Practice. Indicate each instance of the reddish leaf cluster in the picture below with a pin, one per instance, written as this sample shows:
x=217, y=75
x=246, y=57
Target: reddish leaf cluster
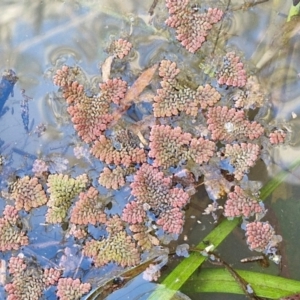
x=123, y=150
x=170, y=146
x=174, y=97
x=120, y=48
x=90, y=115
x=11, y=236
x=28, y=282
x=242, y=157
x=153, y=191
x=28, y=193
x=71, y=289
x=277, y=137
x=251, y=96
x=239, y=203
x=228, y=124
x=115, y=178
x=88, y=209
x=191, y=26
x=261, y=236
x=232, y=71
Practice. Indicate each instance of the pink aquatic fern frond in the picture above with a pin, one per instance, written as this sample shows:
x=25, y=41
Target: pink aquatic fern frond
x=171, y=220
x=113, y=90
x=242, y=157
x=133, y=213
x=90, y=115
x=51, y=276
x=168, y=145
x=228, y=125
x=11, y=236
x=88, y=209
x=16, y=265
x=168, y=70
x=120, y=48
x=171, y=146
x=232, y=72
x=28, y=282
x=28, y=193
x=103, y=149
x=128, y=151
x=150, y=185
x=90, y=118
x=277, y=137
x=154, y=191
x=73, y=92
x=191, y=26
x=62, y=76
x=71, y=289
x=251, y=96
x=114, y=225
x=239, y=203
x=174, y=97
x=113, y=179
x=207, y=96
x=261, y=236
x=201, y=150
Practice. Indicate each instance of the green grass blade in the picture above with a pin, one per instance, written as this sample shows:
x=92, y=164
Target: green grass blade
x=221, y=281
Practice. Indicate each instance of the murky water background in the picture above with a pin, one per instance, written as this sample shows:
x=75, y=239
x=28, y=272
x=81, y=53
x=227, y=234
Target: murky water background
x=36, y=38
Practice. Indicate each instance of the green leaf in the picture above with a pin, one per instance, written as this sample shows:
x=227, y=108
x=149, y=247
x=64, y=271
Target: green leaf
x=175, y=280
x=294, y=11
x=221, y=281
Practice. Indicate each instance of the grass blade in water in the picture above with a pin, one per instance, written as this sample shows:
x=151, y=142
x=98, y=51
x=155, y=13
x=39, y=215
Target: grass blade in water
x=220, y=281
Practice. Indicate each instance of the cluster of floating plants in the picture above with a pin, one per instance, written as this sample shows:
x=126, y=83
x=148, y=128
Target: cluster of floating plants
x=160, y=161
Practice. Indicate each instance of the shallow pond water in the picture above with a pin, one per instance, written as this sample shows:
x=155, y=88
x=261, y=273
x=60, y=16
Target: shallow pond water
x=37, y=39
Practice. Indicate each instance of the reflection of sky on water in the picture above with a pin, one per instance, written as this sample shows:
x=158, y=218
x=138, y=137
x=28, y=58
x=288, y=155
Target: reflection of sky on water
x=36, y=38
